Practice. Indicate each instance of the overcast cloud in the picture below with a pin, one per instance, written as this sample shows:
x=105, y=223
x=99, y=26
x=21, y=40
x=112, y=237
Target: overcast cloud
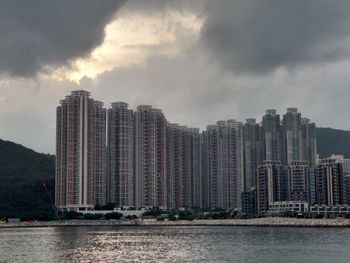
x=262, y=35
x=39, y=35
x=247, y=56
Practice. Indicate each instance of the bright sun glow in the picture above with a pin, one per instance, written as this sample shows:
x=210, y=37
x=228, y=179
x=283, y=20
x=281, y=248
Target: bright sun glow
x=131, y=40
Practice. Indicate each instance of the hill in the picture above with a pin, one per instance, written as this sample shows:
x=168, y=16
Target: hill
x=331, y=141
x=22, y=175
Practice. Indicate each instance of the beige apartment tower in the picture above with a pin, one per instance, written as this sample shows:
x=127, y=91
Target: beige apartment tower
x=150, y=158
x=80, y=181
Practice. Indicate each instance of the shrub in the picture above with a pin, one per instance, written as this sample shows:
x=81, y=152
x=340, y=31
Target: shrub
x=113, y=215
x=93, y=216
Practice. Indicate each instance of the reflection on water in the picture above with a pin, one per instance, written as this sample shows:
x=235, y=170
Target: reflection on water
x=174, y=244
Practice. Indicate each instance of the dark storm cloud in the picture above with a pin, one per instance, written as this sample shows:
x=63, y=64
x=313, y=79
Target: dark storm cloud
x=151, y=6
x=37, y=34
x=262, y=35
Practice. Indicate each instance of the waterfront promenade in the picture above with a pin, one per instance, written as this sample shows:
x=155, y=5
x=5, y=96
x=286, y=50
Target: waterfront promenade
x=261, y=222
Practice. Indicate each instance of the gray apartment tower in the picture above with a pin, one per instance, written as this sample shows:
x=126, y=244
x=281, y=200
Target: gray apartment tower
x=298, y=180
x=330, y=187
x=80, y=180
x=271, y=136
x=292, y=136
x=222, y=165
x=270, y=184
x=196, y=168
x=252, y=147
x=309, y=148
x=121, y=177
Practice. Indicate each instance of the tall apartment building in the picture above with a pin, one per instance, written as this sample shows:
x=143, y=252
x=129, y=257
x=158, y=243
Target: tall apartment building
x=150, y=157
x=298, y=180
x=179, y=166
x=99, y=153
x=292, y=136
x=270, y=184
x=252, y=152
x=271, y=136
x=80, y=180
x=222, y=165
x=172, y=144
x=196, y=168
x=209, y=146
x=183, y=166
x=121, y=179
x=330, y=187
x=309, y=151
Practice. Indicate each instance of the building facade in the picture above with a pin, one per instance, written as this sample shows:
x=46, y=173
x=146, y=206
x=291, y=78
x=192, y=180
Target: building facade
x=252, y=152
x=80, y=180
x=298, y=178
x=179, y=159
x=270, y=184
x=223, y=165
x=292, y=136
x=121, y=177
x=271, y=136
x=249, y=201
x=330, y=182
x=309, y=149
x=150, y=157
x=196, y=168
x=288, y=207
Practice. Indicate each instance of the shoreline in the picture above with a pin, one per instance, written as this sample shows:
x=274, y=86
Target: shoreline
x=256, y=222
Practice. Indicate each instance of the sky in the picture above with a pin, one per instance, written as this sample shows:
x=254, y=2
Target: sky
x=199, y=61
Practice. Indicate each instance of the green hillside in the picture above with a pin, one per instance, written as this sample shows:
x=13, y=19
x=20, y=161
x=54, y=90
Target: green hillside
x=22, y=175
x=331, y=141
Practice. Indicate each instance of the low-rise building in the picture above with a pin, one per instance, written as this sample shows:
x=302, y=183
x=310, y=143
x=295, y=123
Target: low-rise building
x=324, y=209
x=249, y=201
x=288, y=206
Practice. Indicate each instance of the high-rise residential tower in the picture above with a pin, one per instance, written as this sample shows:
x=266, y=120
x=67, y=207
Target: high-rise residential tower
x=271, y=136
x=309, y=152
x=179, y=158
x=80, y=180
x=172, y=144
x=222, y=165
x=196, y=168
x=150, y=157
x=99, y=153
x=292, y=136
x=252, y=152
x=121, y=181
